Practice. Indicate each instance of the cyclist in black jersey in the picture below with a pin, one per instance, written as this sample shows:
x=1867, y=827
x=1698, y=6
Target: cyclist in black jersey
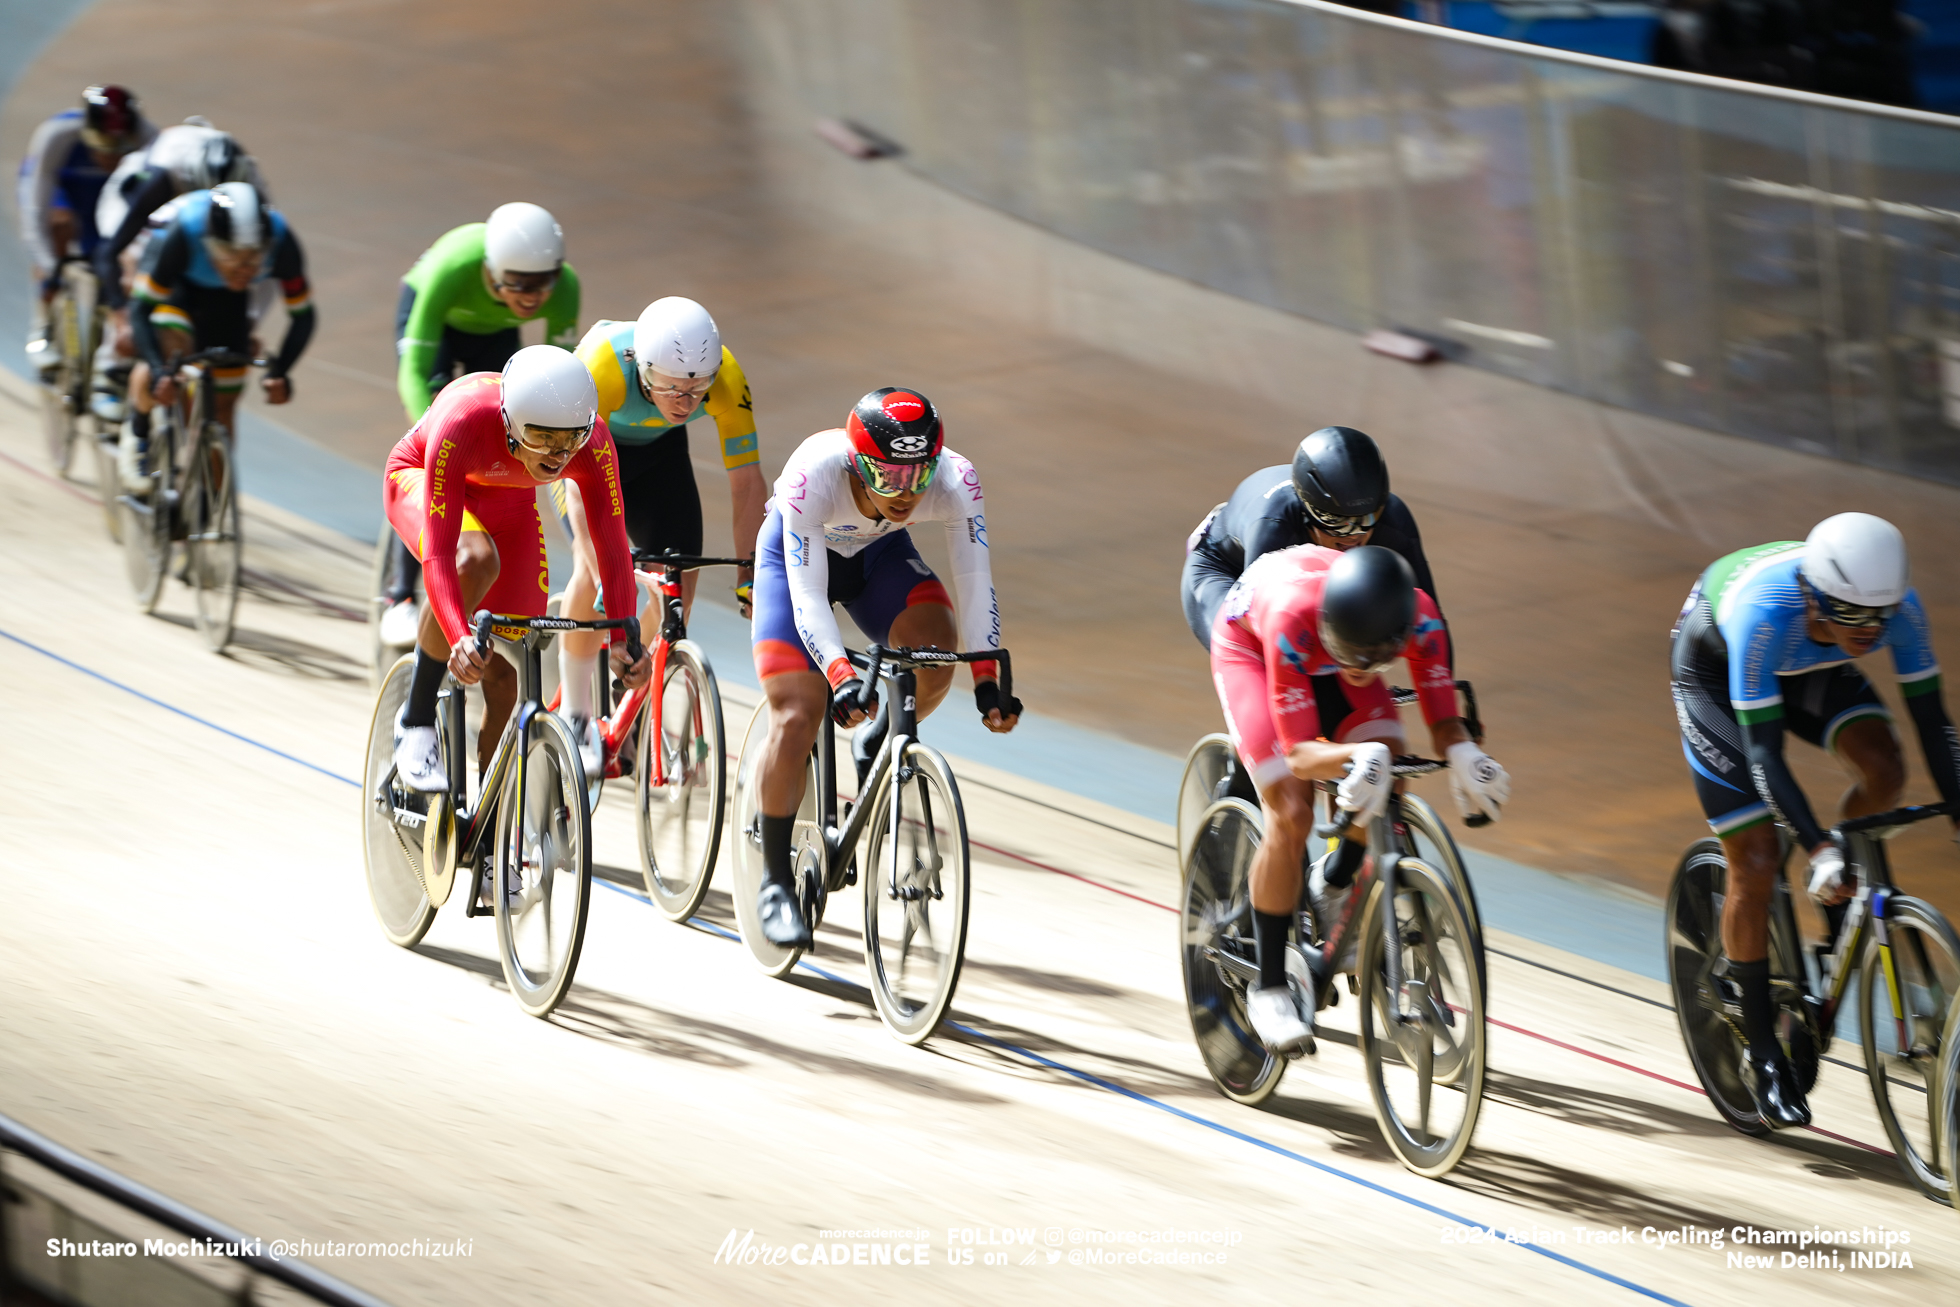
x=1334, y=494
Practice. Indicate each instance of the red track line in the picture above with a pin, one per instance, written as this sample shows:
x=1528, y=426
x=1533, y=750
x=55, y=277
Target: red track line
x=30, y=469
x=1019, y=857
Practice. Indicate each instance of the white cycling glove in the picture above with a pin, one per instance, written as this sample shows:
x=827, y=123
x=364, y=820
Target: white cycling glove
x=1827, y=875
x=1364, y=790
x=1478, y=782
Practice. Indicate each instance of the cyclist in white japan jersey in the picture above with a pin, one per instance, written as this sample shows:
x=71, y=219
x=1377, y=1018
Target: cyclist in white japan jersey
x=836, y=532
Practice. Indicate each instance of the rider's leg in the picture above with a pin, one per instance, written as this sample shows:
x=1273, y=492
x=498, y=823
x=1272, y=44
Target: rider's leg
x=797, y=703
x=578, y=652
x=1754, y=864
x=662, y=501
x=1275, y=873
x=917, y=627
x=1870, y=747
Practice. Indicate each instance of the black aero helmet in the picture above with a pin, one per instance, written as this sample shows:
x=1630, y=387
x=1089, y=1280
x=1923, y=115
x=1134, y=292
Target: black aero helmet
x=1367, y=607
x=1341, y=479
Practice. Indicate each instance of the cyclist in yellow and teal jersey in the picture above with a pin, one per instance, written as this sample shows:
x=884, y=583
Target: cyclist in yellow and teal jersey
x=655, y=375
x=460, y=310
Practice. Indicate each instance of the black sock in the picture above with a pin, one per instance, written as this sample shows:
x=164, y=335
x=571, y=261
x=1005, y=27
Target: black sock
x=1834, y=916
x=422, y=690
x=403, y=574
x=1269, y=934
x=776, y=833
x=139, y=423
x=1758, y=1018
x=1345, y=862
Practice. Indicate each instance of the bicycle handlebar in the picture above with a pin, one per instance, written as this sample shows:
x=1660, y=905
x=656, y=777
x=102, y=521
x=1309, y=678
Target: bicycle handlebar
x=669, y=561
x=485, y=619
x=1407, y=764
x=1889, y=820
x=1401, y=695
x=219, y=358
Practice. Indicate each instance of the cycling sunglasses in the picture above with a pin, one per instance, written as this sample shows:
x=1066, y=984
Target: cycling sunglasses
x=890, y=480
x=527, y=283
x=1838, y=612
x=661, y=386
x=1344, y=526
x=546, y=441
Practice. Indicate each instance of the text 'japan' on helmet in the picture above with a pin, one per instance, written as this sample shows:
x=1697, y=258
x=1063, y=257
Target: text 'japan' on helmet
x=1367, y=607
x=1339, y=474
x=548, y=387
x=522, y=238
x=1857, y=559
x=896, y=439
x=238, y=216
x=676, y=338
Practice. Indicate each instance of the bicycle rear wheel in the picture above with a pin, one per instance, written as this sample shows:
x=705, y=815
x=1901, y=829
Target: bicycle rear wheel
x=1210, y=758
x=214, y=542
x=1217, y=953
x=543, y=885
x=108, y=489
x=1904, y=1032
x=680, y=814
x=917, y=890
x=391, y=854
x=146, y=530
x=1425, y=1072
x=806, y=845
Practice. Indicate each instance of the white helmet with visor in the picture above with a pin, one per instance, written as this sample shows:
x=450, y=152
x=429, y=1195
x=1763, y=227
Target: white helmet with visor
x=550, y=404
x=1854, y=568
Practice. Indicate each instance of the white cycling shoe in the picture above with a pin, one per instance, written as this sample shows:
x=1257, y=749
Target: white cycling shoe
x=44, y=356
x=1277, y=1021
x=418, y=759
x=591, y=747
x=130, y=457
x=401, y=623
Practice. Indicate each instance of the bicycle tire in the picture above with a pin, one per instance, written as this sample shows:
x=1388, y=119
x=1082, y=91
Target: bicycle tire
x=1442, y=854
x=108, y=490
x=899, y=898
x=1197, y=787
x=146, y=542
x=1694, y=944
x=394, y=885
x=382, y=656
x=214, y=544
x=543, y=869
x=1216, y=915
x=1443, y=982
x=680, y=822
x=806, y=844
x=1949, y=1100
x=60, y=411
x=1926, y=961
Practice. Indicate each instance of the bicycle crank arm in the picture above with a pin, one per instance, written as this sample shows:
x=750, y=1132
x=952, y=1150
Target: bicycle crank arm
x=1232, y=964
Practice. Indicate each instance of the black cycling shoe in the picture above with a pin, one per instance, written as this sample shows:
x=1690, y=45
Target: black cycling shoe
x=782, y=918
x=1773, y=1087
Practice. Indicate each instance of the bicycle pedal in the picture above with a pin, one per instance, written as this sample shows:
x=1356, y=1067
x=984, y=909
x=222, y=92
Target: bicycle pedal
x=1354, y=984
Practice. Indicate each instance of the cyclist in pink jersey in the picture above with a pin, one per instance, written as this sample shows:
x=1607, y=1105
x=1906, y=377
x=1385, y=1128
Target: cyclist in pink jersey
x=461, y=492
x=1300, y=613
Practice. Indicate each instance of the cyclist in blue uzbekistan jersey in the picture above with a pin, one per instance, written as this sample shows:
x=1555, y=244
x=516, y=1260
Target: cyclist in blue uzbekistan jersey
x=1763, y=649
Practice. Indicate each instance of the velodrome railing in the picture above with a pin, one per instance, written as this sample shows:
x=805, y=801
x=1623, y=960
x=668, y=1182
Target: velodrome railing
x=1772, y=264
x=57, y=1250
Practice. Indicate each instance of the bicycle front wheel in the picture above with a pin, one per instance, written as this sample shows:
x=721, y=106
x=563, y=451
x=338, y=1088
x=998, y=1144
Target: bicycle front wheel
x=1423, y=1045
x=1904, y=1000
x=214, y=542
x=680, y=809
x=1948, y=1110
x=1218, y=955
x=392, y=855
x=1430, y=840
x=543, y=866
x=917, y=891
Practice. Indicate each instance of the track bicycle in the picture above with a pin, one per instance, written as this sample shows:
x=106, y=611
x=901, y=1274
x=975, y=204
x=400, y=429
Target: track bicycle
x=909, y=815
x=194, y=498
x=1901, y=952
x=1419, y=971
x=75, y=318
x=525, y=847
x=1212, y=771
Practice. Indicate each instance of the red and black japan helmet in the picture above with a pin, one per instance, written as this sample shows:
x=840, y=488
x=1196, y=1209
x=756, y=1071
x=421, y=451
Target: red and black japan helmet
x=896, y=439
x=111, y=118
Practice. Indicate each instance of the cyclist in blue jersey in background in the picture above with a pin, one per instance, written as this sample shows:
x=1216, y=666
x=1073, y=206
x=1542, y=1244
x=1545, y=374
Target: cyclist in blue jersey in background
x=194, y=292
x=1764, y=647
x=68, y=162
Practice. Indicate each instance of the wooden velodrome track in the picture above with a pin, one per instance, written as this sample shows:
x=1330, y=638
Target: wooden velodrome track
x=199, y=997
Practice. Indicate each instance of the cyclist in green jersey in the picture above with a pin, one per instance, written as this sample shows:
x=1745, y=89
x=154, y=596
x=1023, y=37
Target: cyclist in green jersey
x=460, y=309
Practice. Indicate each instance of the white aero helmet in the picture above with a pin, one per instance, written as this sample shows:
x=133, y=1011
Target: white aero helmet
x=675, y=337
x=522, y=238
x=545, y=386
x=1857, y=559
x=237, y=217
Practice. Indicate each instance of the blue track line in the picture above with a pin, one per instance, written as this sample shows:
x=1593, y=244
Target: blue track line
x=171, y=707
x=1037, y=1059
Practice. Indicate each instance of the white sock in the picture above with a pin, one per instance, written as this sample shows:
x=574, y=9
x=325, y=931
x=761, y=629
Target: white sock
x=575, y=678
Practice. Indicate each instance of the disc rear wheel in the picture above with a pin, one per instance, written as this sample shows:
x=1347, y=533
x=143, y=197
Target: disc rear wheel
x=1694, y=947
x=680, y=810
x=1216, y=950
x=1207, y=763
x=392, y=853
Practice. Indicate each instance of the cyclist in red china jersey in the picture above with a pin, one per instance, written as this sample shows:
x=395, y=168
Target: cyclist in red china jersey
x=461, y=493
x=1295, y=615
